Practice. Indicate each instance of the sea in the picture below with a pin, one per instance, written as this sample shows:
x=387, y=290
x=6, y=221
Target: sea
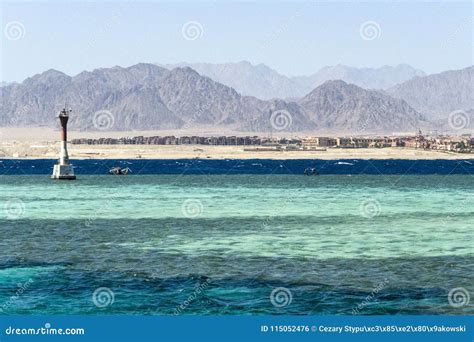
x=238, y=237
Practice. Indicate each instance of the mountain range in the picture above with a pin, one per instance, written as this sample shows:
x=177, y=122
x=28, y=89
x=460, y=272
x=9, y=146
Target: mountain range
x=150, y=97
x=266, y=83
x=440, y=94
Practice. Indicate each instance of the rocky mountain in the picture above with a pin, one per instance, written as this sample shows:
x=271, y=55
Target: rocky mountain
x=338, y=106
x=368, y=78
x=38, y=98
x=265, y=83
x=149, y=97
x=251, y=80
x=438, y=95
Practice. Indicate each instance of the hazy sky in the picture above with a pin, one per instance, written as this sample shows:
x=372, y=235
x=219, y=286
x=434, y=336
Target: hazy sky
x=293, y=38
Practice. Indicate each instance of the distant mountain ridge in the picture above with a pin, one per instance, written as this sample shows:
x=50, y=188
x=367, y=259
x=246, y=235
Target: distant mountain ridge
x=251, y=80
x=439, y=94
x=264, y=82
x=336, y=104
x=149, y=97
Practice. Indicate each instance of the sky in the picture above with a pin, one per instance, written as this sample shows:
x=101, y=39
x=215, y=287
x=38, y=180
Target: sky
x=294, y=38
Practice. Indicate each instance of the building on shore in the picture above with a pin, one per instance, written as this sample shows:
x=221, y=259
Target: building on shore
x=416, y=141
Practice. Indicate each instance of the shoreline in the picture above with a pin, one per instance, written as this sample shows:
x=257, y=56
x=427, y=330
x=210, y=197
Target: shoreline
x=50, y=150
x=36, y=143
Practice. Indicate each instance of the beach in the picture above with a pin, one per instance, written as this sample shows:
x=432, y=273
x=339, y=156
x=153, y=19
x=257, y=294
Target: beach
x=41, y=144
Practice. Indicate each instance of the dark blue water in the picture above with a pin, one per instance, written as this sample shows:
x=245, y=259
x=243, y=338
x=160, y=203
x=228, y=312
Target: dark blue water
x=248, y=166
x=67, y=289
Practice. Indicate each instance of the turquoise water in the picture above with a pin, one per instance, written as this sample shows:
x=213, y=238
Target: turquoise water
x=215, y=244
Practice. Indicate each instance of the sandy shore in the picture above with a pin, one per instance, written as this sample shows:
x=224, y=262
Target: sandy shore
x=37, y=143
x=50, y=150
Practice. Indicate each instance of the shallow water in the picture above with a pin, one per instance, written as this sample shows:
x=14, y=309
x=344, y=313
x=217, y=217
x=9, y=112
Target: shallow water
x=220, y=244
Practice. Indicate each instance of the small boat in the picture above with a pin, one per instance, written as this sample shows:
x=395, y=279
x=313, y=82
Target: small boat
x=310, y=171
x=117, y=170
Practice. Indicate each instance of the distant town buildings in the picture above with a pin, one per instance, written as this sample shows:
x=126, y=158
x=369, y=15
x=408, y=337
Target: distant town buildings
x=417, y=141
